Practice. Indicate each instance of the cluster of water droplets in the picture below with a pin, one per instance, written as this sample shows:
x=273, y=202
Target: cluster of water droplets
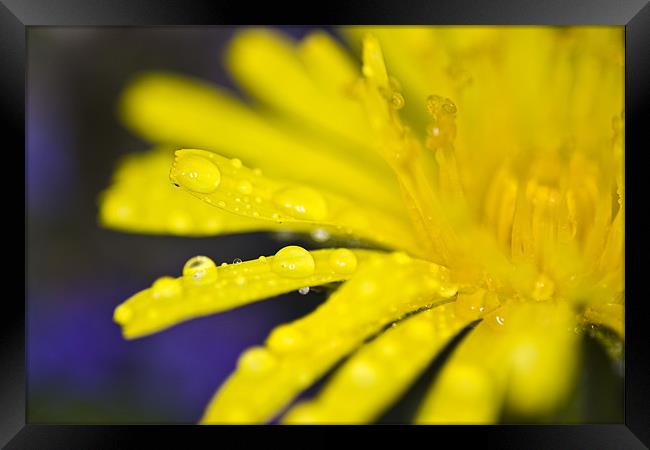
x=202, y=175
x=442, y=129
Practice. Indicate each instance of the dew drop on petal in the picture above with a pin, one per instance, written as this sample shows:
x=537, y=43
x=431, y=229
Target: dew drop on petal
x=236, y=163
x=396, y=100
x=303, y=290
x=343, y=260
x=293, y=262
x=200, y=269
x=301, y=203
x=196, y=173
x=166, y=287
x=236, y=261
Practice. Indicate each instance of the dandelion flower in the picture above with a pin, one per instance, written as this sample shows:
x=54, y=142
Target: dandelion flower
x=483, y=168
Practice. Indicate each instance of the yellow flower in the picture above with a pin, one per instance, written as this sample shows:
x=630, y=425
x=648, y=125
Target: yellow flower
x=493, y=169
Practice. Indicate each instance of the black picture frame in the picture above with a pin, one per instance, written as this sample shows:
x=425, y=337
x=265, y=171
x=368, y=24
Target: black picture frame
x=17, y=15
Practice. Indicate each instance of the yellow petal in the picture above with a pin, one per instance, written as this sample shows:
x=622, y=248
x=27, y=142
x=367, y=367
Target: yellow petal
x=178, y=110
x=522, y=355
x=206, y=289
x=400, y=148
x=141, y=199
x=327, y=63
x=269, y=66
x=297, y=354
x=381, y=370
x=229, y=185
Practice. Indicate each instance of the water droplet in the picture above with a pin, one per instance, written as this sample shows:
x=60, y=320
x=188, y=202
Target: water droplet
x=221, y=204
x=166, y=287
x=293, y=262
x=123, y=314
x=245, y=187
x=236, y=261
x=200, y=269
x=240, y=280
x=301, y=203
x=449, y=107
x=320, y=235
x=303, y=290
x=256, y=361
x=257, y=172
x=284, y=339
x=262, y=259
x=500, y=320
x=397, y=100
x=343, y=260
x=433, y=103
x=236, y=163
x=196, y=173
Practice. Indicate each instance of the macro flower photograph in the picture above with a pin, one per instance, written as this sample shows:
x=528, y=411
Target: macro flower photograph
x=326, y=225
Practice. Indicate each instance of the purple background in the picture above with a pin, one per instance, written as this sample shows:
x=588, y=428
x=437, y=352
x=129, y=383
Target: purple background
x=80, y=370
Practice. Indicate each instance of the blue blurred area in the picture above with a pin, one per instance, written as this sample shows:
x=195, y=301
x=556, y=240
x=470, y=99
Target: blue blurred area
x=80, y=369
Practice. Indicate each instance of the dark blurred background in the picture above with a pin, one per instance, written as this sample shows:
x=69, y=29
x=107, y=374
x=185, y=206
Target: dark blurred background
x=80, y=370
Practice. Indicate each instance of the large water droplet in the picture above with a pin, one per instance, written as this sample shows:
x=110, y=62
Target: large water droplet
x=301, y=203
x=256, y=361
x=343, y=260
x=166, y=287
x=303, y=290
x=200, y=269
x=293, y=262
x=196, y=173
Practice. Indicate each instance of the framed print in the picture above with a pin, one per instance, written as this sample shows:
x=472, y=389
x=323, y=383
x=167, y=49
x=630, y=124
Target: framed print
x=411, y=219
